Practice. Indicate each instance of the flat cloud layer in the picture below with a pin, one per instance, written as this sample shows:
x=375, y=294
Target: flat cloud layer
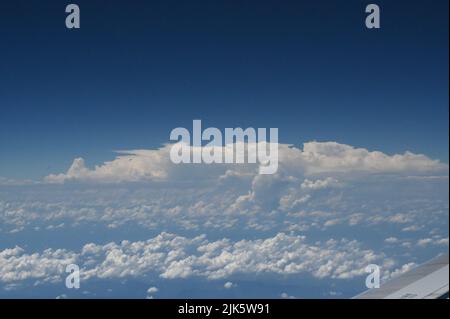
x=315, y=158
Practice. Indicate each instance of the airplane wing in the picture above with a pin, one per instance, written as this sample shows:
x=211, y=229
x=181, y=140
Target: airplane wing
x=427, y=281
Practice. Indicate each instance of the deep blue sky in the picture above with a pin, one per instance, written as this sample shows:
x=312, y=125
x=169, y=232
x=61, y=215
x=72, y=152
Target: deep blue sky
x=136, y=70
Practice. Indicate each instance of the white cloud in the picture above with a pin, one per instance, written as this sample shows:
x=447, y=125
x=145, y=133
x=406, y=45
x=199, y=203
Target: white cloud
x=285, y=295
x=335, y=157
x=323, y=185
x=425, y=242
x=315, y=158
x=16, y=182
x=16, y=265
x=442, y=241
x=391, y=240
x=432, y=241
x=229, y=285
x=171, y=256
x=403, y=269
x=129, y=166
x=411, y=228
x=152, y=290
x=319, y=184
x=332, y=222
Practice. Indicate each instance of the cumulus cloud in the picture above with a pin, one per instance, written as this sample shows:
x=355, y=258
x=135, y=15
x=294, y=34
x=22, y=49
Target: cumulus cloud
x=171, y=256
x=391, y=240
x=424, y=242
x=442, y=241
x=267, y=222
x=285, y=295
x=322, y=185
x=314, y=158
x=152, y=290
x=229, y=285
x=332, y=156
x=400, y=271
x=129, y=166
x=319, y=184
x=16, y=265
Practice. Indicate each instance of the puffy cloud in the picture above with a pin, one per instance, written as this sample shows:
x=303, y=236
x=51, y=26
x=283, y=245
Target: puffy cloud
x=425, y=242
x=411, y=228
x=314, y=158
x=391, y=240
x=152, y=290
x=390, y=274
x=317, y=187
x=285, y=295
x=229, y=285
x=241, y=206
x=442, y=241
x=129, y=166
x=319, y=184
x=16, y=265
x=432, y=241
x=332, y=222
x=171, y=256
x=335, y=157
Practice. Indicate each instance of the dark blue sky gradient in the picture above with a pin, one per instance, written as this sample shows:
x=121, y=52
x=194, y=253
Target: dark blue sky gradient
x=136, y=70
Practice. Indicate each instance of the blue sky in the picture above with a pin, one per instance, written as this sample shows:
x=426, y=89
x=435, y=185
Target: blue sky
x=366, y=180
x=134, y=72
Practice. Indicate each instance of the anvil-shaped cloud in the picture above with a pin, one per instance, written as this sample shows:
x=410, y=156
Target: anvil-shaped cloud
x=315, y=158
